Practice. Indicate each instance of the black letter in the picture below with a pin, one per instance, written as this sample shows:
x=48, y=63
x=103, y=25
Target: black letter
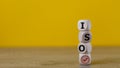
x=87, y=37
x=82, y=23
x=81, y=48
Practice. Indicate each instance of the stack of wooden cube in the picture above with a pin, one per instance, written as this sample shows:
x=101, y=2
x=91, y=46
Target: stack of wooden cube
x=84, y=47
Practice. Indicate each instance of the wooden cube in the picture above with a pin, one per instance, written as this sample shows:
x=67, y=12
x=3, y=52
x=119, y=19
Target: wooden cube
x=85, y=59
x=84, y=36
x=84, y=25
x=84, y=48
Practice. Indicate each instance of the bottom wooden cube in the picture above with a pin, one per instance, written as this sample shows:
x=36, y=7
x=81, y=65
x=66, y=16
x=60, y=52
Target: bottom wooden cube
x=85, y=59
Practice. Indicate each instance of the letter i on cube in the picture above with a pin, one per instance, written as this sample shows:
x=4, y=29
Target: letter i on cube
x=84, y=25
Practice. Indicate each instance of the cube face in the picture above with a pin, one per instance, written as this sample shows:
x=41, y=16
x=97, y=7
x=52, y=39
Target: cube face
x=85, y=59
x=84, y=36
x=89, y=48
x=84, y=48
x=84, y=25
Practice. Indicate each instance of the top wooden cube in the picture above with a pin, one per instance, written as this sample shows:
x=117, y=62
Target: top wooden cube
x=84, y=25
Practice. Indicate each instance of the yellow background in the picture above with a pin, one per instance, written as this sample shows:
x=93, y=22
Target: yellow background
x=54, y=22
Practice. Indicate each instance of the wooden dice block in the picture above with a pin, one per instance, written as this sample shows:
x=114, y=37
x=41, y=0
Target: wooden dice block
x=84, y=36
x=84, y=48
x=85, y=59
x=84, y=25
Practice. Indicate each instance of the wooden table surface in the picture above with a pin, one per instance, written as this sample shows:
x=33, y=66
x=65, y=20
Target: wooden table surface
x=57, y=57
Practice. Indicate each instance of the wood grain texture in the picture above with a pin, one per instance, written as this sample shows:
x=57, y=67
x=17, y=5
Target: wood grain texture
x=102, y=57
